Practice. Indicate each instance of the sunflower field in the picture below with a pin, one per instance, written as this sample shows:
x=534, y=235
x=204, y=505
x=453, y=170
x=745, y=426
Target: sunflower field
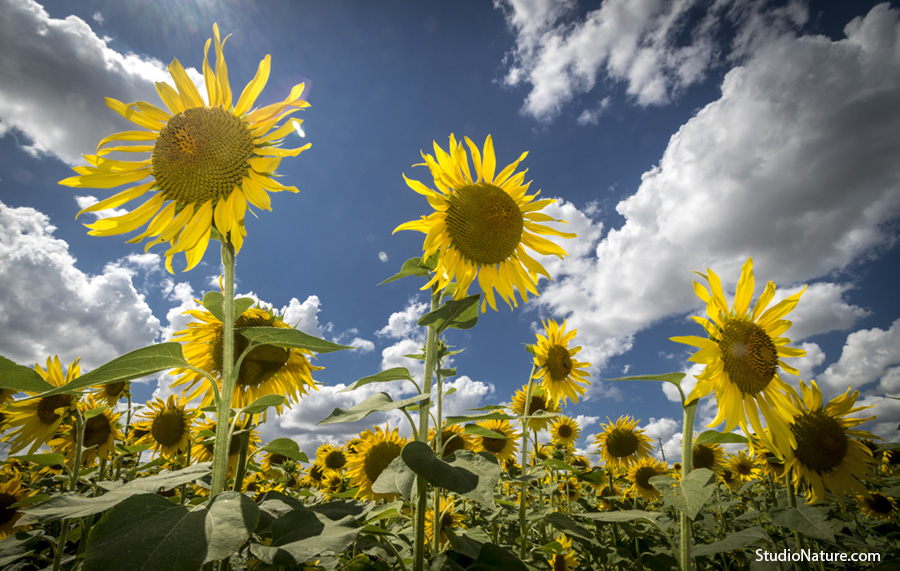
x=95, y=481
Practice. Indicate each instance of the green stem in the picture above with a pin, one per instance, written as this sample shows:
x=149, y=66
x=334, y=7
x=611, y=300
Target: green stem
x=424, y=406
x=687, y=464
x=792, y=502
x=187, y=462
x=223, y=410
x=523, y=523
x=242, y=458
x=436, y=495
x=73, y=485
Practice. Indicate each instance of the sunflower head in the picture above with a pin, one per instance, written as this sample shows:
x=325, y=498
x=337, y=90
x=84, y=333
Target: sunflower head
x=565, y=431
x=640, y=473
x=443, y=519
x=209, y=160
x=332, y=458
x=12, y=491
x=623, y=443
x=877, y=506
x=743, y=356
x=562, y=556
x=540, y=403
x=453, y=438
x=374, y=453
x=483, y=224
x=709, y=456
x=561, y=376
x=167, y=425
x=502, y=448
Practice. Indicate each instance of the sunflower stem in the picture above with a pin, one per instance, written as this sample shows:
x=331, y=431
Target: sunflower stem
x=424, y=406
x=223, y=405
x=687, y=464
x=523, y=522
x=73, y=485
x=242, y=459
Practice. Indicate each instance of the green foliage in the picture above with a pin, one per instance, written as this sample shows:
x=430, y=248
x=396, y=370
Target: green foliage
x=689, y=494
x=19, y=378
x=214, y=303
x=411, y=267
x=388, y=375
x=459, y=314
x=716, y=437
x=287, y=338
x=379, y=402
x=287, y=448
x=467, y=474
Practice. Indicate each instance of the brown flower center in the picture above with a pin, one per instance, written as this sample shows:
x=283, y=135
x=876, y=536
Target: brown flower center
x=621, y=443
x=704, y=457
x=821, y=440
x=378, y=457
x=168, y=427
x=261, y=363
x=484, y=222
x=96, y=430
x=749, y=355
x=559, y=363
x=493, y=445
x=47, y=406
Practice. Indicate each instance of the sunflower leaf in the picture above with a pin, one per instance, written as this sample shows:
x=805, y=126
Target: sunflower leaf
x=214, y=303
x=411, y=267
x=288, y=338
x=466, y=473
x=286, y=447
x=379, y=402
x=715, y=437
x=395, y=374
x=45, y=459
x=689, y=494
x=161, y=535
x=21, y=378
x=808, y=520
x=302, y=534
x=674, y=378
x=484, y=432
x=262, y=403
x=475, y=417
x=737, y=540
x=138, y=363
x=396, y=478
x=459, y=314
x=621, y=516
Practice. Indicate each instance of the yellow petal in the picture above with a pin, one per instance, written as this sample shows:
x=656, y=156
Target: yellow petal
x=170, y=97
x=254, y=88
x=118, y=199
x=186, y=87
x=490, y=161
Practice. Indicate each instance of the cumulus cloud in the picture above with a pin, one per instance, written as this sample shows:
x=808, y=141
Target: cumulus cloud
x=50, y=307
x=795, y=165
x=40, y=54
x=655, y=48
x=868, y=356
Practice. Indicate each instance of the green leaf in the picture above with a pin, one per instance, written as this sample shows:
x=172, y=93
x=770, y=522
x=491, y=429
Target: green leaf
x=46, y=459
x=379, y=402
x=302, y=534
x=262, y=403
x=808, y=520
x=138, y=363
x=20, y=378
x=459, y=314
x=286, y=447
x=288, y=338
x=570, y=527
x=674, y=378
x=395, y=374
x=214, y=301
x=560, y=465
x=483, y=432
x=737, y=540
x=689, y=494
x=621, y=516
x=466, y=474
x=495, y=558
x=451, y=420
x=411, y=267
x=72, y=505
x=396, y=478
x=715, y=437
x=148, y=532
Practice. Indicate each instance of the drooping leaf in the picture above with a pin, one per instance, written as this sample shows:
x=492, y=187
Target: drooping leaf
x=214, y=302
x=302, y=534
x=808, y=520
x=411, y=267
x=620, y=516
x=45, y=459
x=689, y=494
x=288, y=338
x=569, y=526
x=674, y=378
x=21, y=378
x=395, y=374
x=287, y=448
x=716, y=437
x=737, y=540
x=379, y=402
x=72, y=505
x=161, y=535
x=465, y=473
x=459, y=314
x=495, y=558
x=451, y=420
x=396, y=478
x=262, y=403
x=138, y=363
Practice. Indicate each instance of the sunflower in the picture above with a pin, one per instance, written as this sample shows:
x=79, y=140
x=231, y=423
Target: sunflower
x=542, y=452
x=332, y=458
x=110, y=393
x=539, y=403
x=730, y=478
x=204, y=444
x=167, y=425
x=564, y=431
x=560, y=375
x=828, y=453
x=208, y=160
x=271, y=463
x=623, y=443
x=452, y=439
x=315, y=476
x=709, y=456
x=446, y=520
x=265, y=370
x=877, y=506
x=570, y=488
x=11, y=492
x=742, y=465
x=581, y=462
x=373, y=454
x=34, y=421
x=482, y=227
x=502, y=448
x=605, y=495
x=101, y=431
x=640, y=473
x=743, y=354
x=562, y=558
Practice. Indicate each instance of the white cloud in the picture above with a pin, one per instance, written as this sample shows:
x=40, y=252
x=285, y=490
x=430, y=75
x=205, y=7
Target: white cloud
x=303, y=316
x=41, y=54
x=362, y=345
x=667, y=431
x=867, y=356
x=887, y=416
x=822, y=308
x=654, y=47
x=806, y=365
x=403, y=324
x=796, y=165
x=50, y=307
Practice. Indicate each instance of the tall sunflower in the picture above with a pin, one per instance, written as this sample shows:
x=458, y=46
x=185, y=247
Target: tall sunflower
x=539, y=403
x=560, y=374
x=208, y=160
x=373, y=454
x=446, y=519
x=828, y=452
x=502, y=448
x=12, y=491
x=562, y=558
x=564, y=431
x=743, y=354
x=640, y=473
x=166, y=426
x=101, y=431
x=110, y=393
x=34, y=421
x=623, y=443
x=709, y=456
x=204, y=446
x=482, y=225
x=332, y=458
x=452, y=439
x=264, y=371
x=742, y=465
x=877, y=506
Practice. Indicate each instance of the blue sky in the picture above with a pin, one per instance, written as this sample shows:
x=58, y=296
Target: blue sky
x=676, y=136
